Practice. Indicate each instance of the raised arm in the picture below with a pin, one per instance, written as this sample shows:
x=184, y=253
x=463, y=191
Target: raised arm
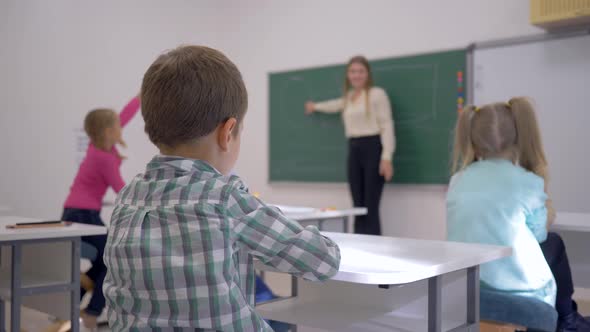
x=129, y=111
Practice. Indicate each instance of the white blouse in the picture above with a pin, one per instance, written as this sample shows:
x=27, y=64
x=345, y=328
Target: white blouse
x=358, y=122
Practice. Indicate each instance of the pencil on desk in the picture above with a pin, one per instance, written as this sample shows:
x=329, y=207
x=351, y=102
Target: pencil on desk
x=41, y=224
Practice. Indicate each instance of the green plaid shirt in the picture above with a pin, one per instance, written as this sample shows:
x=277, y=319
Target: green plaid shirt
x=181, y=245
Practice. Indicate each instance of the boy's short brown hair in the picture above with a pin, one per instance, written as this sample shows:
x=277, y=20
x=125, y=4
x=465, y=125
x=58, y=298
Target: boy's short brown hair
x=187, y=92
x=96, y=121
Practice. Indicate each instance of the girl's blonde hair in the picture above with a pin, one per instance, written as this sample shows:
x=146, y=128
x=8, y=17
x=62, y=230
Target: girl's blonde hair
x=500, y=130
x=531, y=155
x=365, y=63
x=96, y=121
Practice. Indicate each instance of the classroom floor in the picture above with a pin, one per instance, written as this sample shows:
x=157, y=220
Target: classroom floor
x=34, y=321
x=584, y=307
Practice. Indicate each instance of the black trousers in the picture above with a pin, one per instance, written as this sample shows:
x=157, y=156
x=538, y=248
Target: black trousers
x=556, y=256
x=366, y=185
x=98, y=270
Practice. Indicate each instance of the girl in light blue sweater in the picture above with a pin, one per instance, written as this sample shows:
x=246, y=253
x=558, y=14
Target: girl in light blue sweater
x=498, y=196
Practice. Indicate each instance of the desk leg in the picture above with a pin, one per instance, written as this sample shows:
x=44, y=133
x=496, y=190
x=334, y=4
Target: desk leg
x=347, y=222
x=75, y=293
x=15, y=288
x=473, y=297
x=434, y=304
x=294, y=286
x=294, y=293
x=321, y=224
x=2, y=316
x=472, y=324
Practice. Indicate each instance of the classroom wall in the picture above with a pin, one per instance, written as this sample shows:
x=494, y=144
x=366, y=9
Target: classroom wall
x=59, y=59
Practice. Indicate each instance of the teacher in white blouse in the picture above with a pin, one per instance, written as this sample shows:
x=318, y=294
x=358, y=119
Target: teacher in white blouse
x=368, y=125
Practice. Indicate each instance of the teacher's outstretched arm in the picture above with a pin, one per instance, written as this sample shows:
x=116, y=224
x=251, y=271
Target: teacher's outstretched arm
x=328, y=106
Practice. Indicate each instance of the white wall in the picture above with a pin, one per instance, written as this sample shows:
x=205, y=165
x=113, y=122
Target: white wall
x=58, y=59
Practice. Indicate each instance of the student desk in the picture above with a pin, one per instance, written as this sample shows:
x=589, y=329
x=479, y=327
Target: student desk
x=38, y=264
x=381, y=283
x=569, y=221
x=307, y=214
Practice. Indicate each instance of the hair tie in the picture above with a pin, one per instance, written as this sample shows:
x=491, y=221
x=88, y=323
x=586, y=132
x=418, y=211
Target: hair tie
x=476, y=109
x=509, y=105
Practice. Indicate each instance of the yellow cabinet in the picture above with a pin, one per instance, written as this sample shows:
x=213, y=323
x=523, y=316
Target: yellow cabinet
x=560, y=13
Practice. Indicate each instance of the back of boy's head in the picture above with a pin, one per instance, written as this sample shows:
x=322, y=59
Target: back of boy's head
x=499, y=130
x=96, y=121
x=189, y=91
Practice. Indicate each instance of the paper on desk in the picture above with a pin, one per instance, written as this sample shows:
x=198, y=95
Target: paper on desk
x=294, y=210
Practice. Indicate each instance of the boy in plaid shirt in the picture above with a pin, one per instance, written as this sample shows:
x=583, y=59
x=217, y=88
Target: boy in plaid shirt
x=184, y=234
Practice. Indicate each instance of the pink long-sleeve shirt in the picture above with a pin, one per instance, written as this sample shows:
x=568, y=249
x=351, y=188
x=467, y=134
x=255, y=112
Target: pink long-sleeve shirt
x=99, y=170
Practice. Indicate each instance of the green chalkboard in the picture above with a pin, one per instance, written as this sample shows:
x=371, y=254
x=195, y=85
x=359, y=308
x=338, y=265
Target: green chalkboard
x=423, y=90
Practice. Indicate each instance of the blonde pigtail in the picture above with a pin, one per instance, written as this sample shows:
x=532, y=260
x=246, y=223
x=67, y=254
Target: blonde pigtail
x=531, y=155
x=463, y=153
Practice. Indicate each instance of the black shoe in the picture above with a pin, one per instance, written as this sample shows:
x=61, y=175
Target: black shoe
x=573, y=322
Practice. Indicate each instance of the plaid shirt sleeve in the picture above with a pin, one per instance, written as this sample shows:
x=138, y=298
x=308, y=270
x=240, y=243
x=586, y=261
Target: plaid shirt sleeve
x=279, y=241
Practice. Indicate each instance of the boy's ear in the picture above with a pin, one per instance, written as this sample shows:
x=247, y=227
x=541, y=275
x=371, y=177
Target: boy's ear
x=225, y=133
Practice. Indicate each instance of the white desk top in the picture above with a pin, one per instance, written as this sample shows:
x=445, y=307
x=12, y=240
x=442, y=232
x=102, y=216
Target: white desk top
x=380, y=260
x=308, y=214
x=569, y=221
x=44, y=233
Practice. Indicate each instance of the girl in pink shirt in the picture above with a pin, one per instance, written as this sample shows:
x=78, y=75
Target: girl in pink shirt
x=98, y=171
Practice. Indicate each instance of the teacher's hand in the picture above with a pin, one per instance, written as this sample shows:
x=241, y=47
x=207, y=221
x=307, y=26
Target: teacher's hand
x=386, y=169
x=309, y=107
